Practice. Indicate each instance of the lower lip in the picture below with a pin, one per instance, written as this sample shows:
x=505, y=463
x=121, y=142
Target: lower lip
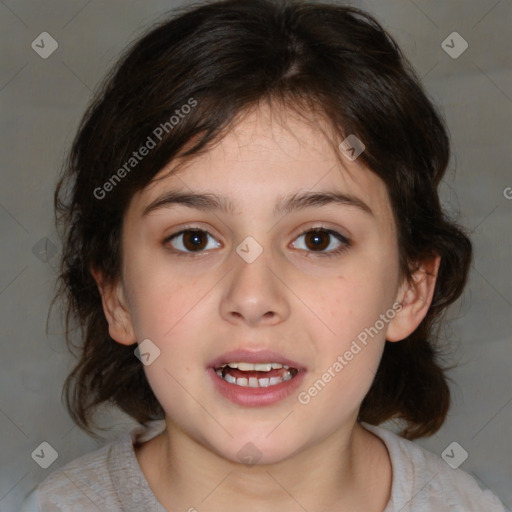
x=255, y=397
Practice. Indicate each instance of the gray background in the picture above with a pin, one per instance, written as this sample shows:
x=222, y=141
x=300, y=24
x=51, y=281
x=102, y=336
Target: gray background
x=42, y=101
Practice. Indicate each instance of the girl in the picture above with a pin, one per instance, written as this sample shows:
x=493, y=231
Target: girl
x=257, y=256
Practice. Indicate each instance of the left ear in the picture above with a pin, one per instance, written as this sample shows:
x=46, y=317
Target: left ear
x=415, y=298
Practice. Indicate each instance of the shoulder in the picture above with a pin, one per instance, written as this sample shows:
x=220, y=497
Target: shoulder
x=106, y=479
x=82, y=484
x=423, y=481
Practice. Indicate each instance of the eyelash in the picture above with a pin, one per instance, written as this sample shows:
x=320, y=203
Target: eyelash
x=345, y=242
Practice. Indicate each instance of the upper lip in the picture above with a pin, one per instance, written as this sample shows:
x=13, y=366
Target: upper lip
x=254, y=356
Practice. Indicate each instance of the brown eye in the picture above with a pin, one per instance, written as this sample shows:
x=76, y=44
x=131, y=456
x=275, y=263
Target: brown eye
x=191, y=240
x=318, y=240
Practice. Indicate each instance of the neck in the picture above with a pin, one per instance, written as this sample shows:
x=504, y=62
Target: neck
x=334, y=474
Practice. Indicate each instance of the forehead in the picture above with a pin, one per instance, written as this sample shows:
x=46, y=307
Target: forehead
x=266, y=156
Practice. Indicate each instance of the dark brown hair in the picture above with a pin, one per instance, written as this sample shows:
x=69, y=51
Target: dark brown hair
x=224, y=58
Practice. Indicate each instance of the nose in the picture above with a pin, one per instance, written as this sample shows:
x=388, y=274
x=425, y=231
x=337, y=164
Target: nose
x=255, y=293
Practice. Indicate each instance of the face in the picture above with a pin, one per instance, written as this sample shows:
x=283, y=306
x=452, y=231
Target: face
x=270, y=280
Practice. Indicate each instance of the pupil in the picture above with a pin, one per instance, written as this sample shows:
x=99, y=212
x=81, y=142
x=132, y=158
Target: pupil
x=196, y=236
x=316, y=235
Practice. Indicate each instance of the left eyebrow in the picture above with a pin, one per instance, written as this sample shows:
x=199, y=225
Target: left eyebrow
x=288, y=204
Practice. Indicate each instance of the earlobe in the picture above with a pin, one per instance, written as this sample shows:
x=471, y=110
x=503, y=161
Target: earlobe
x=415, y=299
x=115, y=309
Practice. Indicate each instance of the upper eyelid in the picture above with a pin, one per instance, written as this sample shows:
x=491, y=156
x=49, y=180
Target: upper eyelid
x=184, y=229
x=194, y=227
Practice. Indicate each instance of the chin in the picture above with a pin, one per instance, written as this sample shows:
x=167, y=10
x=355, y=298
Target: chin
x=258, y=450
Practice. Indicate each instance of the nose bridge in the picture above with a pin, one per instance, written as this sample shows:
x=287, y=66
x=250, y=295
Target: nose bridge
x=254, y=293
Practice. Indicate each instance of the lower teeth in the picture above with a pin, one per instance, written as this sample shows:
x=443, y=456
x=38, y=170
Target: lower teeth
x=253, y=382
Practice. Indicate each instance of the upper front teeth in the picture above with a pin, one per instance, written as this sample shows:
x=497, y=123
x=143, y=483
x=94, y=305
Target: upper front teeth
x=258, y=367
x=253, y=382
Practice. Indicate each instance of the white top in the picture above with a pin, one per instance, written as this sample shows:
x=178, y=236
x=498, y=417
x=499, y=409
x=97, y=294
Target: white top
x=111, y=479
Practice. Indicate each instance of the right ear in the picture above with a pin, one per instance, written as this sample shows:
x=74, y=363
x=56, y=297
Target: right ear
x=116, y=311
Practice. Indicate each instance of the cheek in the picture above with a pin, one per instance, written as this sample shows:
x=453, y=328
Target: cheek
x=352, y=302
x=351, y=334
x=161, y=300
x=169, y=313
x=349, y=350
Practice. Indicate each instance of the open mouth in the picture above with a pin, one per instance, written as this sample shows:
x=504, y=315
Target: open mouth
x=256, y=375
x=255, y=378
